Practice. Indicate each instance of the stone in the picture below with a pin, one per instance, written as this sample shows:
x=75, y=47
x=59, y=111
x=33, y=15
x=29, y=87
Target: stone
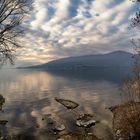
x=67, y=103
x=86, y=120
x=3, y=122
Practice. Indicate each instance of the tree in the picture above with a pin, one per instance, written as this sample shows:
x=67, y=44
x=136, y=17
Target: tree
x=136, y=43
x=12, y=13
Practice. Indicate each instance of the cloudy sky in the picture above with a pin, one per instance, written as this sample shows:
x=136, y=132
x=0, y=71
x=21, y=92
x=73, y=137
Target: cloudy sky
x=63, y=28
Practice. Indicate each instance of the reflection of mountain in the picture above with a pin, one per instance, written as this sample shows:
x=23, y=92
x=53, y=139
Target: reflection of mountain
x=30, y=97
x=108, y=74
x=115, y=66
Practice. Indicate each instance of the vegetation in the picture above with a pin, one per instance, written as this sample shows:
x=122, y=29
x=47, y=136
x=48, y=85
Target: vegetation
x=12, y=13
x=126, y=117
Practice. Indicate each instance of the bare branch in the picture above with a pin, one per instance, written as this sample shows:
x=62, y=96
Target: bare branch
x=12, y=13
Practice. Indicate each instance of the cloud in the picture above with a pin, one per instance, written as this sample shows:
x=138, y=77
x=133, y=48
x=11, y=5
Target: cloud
x=62, y=28
x=40, y=13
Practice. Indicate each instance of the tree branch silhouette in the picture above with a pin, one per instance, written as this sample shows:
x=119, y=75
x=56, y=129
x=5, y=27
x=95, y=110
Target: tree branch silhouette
x=12, y=13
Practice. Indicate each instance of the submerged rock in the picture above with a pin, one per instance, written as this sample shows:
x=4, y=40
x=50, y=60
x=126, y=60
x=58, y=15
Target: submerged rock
x=3, y=122
x=118, y=132
x=58, y=128
x=2, y=101
x=67, y=103
x=48, y=120
x=112, y=108
x=86, y=120
x=82, y=123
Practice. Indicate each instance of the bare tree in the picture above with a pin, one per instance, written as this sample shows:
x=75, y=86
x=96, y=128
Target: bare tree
x=135, y=22
x=12, y=13
x=131, y=87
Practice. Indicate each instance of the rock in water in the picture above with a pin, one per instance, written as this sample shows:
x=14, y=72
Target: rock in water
x=86, y=121
x=3, y=122
x=88, y=124
x=58, y=128
x=112, y=108
x=2, y=101
x=67, y=103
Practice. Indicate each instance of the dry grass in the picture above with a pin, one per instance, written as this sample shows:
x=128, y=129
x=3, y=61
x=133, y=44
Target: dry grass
x=126, y=121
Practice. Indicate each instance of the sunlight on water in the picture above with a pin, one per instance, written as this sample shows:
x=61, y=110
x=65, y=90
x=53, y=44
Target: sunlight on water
x=30, y=96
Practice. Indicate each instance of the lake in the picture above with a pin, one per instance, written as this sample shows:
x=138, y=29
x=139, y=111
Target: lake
x=30, y=98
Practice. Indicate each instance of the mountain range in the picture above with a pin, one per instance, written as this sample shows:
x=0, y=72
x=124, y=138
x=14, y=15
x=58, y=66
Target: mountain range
x=115, y=67
x=113, y=59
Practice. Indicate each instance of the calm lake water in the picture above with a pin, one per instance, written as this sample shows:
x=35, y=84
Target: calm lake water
x=30, y=94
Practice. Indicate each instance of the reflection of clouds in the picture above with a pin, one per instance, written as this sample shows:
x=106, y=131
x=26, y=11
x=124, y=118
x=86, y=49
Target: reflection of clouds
x=38, y=116
x=30, y=95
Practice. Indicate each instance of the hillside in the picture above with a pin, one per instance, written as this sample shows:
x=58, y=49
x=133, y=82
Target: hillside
x=114, y=59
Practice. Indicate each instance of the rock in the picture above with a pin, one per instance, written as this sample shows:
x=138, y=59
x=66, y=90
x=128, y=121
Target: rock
x=86, y=120
x=90, y=134
x=2, y=101
x=3, y=122
x=112, y=108
x=67, y=103
x=59, y=128
x=87, y=124
x=49, y=121
x=118, y=133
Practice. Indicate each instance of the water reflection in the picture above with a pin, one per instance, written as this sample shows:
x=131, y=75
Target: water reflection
x=30, y=97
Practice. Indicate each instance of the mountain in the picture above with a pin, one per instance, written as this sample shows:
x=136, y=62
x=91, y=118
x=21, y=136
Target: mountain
x=113, y=59
x=115, y=67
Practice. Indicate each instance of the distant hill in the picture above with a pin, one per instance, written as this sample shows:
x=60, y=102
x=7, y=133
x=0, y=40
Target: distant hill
x=113, y=59
x=115, y=67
